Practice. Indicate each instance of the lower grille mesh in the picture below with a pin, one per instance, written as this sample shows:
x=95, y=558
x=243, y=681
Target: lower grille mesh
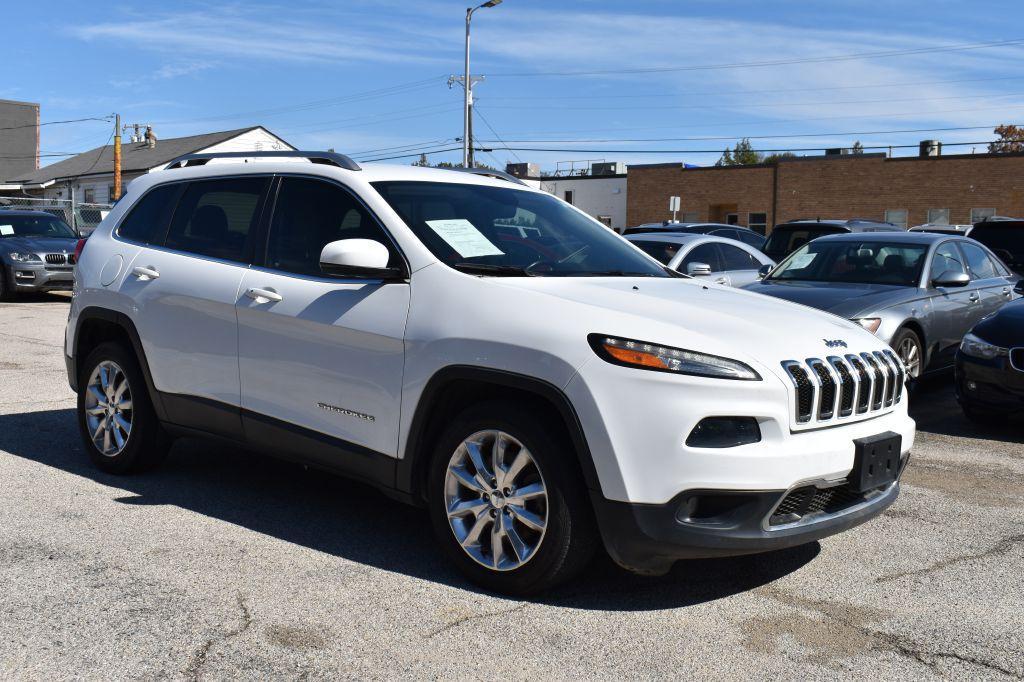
x=811, y=500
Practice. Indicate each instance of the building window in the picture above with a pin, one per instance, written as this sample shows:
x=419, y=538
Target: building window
x=938, y=216
x=606, y=219
x=89, y=195
x=690, y=217
x=758, y=222
x=896, y=216
x=732, y=218
x=979, y=214
x=568, y=196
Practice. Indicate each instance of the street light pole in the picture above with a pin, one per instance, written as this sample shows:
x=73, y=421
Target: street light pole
x=467, y=84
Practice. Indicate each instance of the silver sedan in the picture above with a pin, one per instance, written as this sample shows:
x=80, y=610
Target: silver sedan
x=723, y=260
x=919, y=292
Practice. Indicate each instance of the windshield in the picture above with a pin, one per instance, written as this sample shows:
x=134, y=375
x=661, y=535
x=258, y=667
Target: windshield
x=42, y=225
x=505, y=231
x=1007, y=242
x=861, y=262
x=785, y=239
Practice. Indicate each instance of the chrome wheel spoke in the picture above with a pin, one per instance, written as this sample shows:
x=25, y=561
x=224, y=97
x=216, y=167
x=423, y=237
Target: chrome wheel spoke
x=527, y=517
x=477, y=457
x=125, y=405
x=470, y=506
x=527, y=492
x=467, y=479
x=101, y=427
x=517, y=466
x=98, y=410
x=519, y=547
x=98, y=395
x=477, y=529
x=498, y=447
x=498, y=541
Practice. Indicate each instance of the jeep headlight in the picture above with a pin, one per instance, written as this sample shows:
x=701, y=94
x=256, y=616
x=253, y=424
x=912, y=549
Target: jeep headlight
x=19, y=257
x=643, y=355
x=979, y=348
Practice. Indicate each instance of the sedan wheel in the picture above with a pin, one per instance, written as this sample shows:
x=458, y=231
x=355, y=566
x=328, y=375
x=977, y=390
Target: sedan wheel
x=496, y=500
x=908, y=348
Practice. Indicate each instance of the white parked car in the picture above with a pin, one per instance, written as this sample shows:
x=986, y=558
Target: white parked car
x=723, y=260
x=537, y=393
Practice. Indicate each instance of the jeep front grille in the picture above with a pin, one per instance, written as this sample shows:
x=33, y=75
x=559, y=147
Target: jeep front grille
x=838, y=388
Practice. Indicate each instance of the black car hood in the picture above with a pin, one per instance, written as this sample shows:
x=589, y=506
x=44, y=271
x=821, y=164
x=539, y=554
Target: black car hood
x=38, y=244
x=840, y=298
x=1005, y=328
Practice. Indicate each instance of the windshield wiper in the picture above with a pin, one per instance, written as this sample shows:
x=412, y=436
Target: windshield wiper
x=490, y=269
x=614, y=273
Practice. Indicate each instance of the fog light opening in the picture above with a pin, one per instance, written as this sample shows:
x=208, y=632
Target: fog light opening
x=724, y=432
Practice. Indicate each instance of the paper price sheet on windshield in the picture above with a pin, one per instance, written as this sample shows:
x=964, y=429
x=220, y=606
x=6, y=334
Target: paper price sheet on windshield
x=462, y=236
x=6, y=230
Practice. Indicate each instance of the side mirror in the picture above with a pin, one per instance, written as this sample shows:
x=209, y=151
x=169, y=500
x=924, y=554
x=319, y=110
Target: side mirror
x=698, y=270
x=950, y=278
x=763, y=271
x=358, y=258
x=1019, y=288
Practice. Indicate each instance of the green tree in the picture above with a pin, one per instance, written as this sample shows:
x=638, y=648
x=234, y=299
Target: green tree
x=857, y=148
x=1011, y=139
x=422, y=161
x=743, y=155
x=772, y=158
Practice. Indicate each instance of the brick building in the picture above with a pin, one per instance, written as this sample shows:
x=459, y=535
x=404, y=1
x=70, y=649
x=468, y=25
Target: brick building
x=905, y=190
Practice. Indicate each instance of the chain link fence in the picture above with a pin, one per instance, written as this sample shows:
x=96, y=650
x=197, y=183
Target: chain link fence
x=82, y=217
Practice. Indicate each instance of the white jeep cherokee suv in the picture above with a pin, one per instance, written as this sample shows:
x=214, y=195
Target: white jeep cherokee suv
x=536, y=390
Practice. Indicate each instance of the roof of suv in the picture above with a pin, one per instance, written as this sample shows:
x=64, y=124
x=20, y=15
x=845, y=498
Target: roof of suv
x=894, y=236
x=852, y=225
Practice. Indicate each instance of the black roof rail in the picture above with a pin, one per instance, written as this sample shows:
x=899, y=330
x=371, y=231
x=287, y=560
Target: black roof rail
x=327, y=158
x=497, y=174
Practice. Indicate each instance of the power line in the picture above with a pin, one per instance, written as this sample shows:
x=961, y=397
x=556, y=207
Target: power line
x=491, y=128
x=406, y=156
x=775, y=62
x=446, y=105
x=719, y=151
x=53, y=123
x=405, y=147
x=752, y=137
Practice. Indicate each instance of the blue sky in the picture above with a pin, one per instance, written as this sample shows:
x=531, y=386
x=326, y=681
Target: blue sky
x=363, y=75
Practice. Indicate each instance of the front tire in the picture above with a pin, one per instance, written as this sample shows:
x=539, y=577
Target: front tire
x=118, y=425
x=907, y=345
x=5, y=288
x=507, y=502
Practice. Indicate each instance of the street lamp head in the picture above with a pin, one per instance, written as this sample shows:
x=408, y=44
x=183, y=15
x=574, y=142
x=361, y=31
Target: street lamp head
x=491, y=3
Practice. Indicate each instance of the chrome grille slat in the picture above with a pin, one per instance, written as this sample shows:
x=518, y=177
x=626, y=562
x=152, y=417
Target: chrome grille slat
x=840, y=388
x=56, y=258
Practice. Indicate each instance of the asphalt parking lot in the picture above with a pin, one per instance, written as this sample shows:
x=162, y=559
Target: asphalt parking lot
x=223, y=564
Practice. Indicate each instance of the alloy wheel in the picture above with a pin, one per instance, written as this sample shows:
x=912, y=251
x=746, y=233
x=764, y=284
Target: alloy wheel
x=496, y=500
x=108, y=408
x=910, y=354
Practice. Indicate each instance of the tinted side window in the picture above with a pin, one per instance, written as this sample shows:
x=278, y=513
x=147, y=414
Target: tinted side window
x=215, y=217
x=978, y=261
x=735, y=258
x=663, y=251
x=147, y=220
x=947, y=258
x=704, y=253
x=750, y=238
x=309, y=214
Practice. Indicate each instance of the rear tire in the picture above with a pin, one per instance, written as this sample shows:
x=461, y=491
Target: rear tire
x=118, y=425
x=509, y=504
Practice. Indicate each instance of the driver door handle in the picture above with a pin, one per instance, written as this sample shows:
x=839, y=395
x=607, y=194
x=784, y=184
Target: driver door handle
x=146, y=272
x=974, y=297
x=722, y=280
x=264, y=295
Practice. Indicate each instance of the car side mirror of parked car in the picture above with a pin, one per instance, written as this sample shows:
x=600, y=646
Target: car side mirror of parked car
x=763, y=271
x=950, y=278
x=698, y=270
x=358, y=259
x=1019, y=287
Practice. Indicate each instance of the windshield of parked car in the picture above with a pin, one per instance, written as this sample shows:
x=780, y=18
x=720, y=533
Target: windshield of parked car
x=1006, y=241
x=861, y=262
x=505, y=231
x=785, y=239
x=42, y=225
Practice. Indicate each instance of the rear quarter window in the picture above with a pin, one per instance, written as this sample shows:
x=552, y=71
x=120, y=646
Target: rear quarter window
x=146, y=221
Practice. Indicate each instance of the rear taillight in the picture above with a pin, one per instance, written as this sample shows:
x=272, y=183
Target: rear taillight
x=79, y=247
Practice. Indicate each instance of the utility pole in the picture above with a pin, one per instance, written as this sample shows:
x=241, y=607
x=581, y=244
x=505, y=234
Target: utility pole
x=117, y=157
x=467, y=100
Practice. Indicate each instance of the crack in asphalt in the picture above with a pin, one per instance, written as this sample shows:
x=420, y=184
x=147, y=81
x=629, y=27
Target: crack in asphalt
x=856, y=619
x=202, y=654
x=1001, y=547
x=474, y=616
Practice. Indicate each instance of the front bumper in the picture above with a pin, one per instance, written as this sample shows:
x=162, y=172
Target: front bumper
x=39, y=277
x=992, y=385
x=648, y=539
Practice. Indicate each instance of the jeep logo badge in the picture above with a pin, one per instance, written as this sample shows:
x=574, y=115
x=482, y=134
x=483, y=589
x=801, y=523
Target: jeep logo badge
x=834, y=343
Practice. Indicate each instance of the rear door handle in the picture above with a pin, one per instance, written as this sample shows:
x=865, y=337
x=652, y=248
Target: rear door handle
x=264, y=295
x=146, y=272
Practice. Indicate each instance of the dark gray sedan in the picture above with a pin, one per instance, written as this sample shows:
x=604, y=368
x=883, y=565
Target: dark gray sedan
x=920, y=292
x=36, y=252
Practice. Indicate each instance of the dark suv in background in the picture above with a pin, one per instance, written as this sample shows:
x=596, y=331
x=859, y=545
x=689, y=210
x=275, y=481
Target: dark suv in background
x=788, y=237
x=1005, y=238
